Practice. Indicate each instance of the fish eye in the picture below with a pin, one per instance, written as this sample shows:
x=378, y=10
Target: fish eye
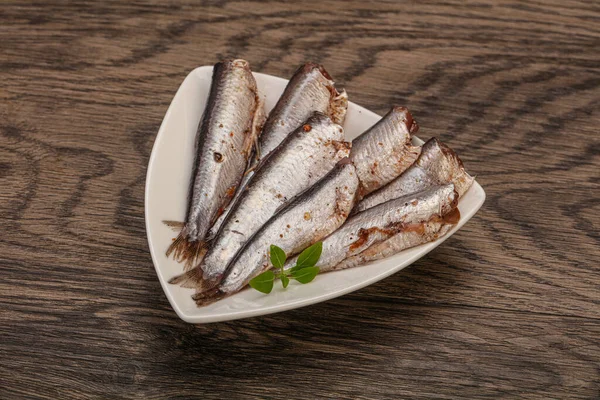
x=218, y=157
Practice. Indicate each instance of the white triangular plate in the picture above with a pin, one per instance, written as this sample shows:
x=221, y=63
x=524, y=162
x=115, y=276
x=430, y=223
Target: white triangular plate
x=167, y=183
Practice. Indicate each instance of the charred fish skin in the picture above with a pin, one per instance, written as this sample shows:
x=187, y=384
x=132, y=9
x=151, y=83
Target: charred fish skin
x=375, y=225
x=224, y=140
x=384, y=151
x=310, y=89
x=310, y=217
x=437, y=165
x=303, y=158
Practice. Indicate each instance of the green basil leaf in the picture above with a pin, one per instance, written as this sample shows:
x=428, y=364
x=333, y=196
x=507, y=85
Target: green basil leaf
x=285, y=281
x=310, y=256
x=277, y=256
x=305, y=274
x=263, y=282
x=295, y=268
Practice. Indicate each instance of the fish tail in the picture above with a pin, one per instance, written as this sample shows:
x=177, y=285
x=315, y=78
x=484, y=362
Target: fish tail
x=194, y=279
x=194, y=254
x=175, y=247
x=190, y=279
x=183, y=250
x=208, y=297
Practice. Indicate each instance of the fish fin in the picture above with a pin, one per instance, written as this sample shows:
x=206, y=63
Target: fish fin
x=194, y=279
x=175, y=225
x=208, y=297
x=195, y=254
x=178, y=243
x=338, y=105
x=189, y=279
x=183, y=250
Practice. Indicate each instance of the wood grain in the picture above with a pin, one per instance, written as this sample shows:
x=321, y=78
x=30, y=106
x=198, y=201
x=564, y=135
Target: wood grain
x=509, y=307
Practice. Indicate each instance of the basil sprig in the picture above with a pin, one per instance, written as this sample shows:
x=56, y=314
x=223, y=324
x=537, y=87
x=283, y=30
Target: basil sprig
x=304, y=271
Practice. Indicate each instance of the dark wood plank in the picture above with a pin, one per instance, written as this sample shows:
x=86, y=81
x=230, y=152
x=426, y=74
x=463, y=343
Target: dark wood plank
x=508, y=307
x=354, y=347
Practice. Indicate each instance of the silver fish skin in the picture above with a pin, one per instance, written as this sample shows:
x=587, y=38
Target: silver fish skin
x=303, y=158
x=375, y=225
x=427, y=232
x=437, y=165
x=384, y=151
x=311, y=89
x=224, y=140
x=310, y=217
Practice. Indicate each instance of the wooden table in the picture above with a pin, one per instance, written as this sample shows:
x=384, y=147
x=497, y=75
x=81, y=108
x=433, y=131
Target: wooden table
x=508, y=307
